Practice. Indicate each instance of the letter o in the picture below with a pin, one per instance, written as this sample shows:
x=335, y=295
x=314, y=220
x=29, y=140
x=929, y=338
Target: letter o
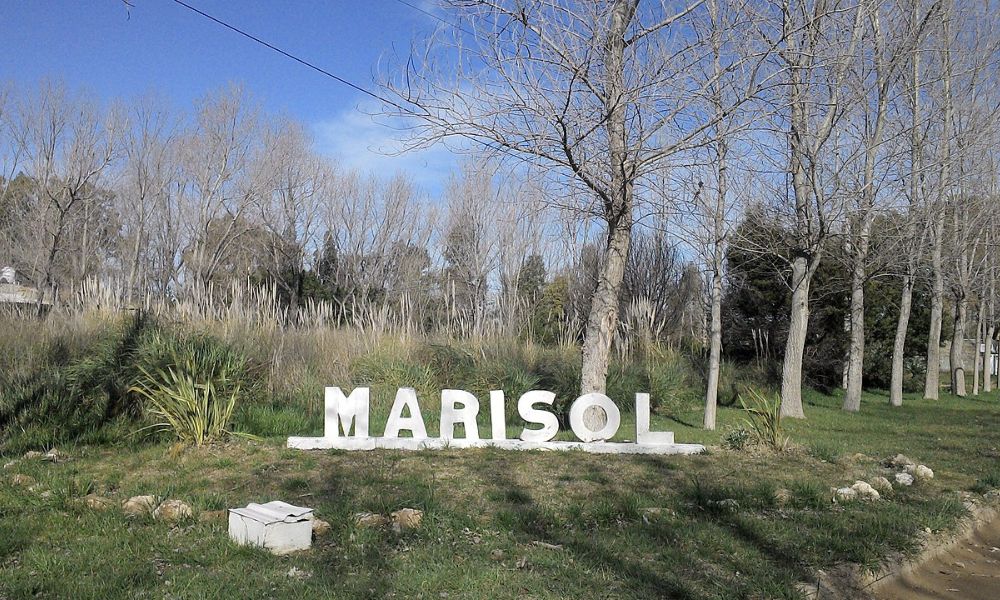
x=580, y=406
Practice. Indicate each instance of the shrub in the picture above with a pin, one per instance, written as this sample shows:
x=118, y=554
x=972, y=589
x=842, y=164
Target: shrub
x=737, y=438
x=194, y=395
x=80, y=389
x=764, y=418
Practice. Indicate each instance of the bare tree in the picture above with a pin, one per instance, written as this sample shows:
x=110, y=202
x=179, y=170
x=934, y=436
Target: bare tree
x=600, y=93
x=219, y=188
x=69, y=145
x=893, y=30
x=144, y=196
x=818, y=41
x=290, y=204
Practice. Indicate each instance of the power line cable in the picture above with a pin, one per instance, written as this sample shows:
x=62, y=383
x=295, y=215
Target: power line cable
x=327, y=73
x=287, y=54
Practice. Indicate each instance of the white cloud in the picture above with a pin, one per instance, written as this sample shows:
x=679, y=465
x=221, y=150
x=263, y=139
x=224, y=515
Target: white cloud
x=358, y=141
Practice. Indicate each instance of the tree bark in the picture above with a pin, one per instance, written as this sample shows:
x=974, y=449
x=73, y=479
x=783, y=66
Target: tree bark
x=791, y=373
x=715, y=350
x=856, y=355
x=932, y=379
x=899, y=344
x=957, y=356
x=977, y=362
x=603, y=316
x=988, y=359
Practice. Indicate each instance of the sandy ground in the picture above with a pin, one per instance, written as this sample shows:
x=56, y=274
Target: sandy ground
x=970, y=569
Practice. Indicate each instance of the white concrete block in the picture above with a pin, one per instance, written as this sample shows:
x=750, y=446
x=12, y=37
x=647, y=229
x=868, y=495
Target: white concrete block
x=278, y=526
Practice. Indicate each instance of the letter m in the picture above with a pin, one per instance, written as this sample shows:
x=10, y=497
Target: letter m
x=346, y=411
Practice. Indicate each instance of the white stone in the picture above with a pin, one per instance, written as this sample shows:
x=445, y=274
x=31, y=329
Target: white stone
x=900, y=461
x=277, y=526
x=922, y=473
x=612, y=421
x=172, y=511
x=845, y=494
x=865, y=491
x=904, y=479
x=881, y=484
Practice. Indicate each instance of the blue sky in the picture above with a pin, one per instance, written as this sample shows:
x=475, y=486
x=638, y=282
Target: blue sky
x=158, y=45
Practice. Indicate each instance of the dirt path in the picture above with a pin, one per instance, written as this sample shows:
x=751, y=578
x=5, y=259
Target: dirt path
x=969, y=569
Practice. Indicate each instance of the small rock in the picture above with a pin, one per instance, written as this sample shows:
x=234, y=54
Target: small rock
x=728, y=504
x=297, y=573
x=32, y=454
x=844, y=494
x=366, y=520
x=54, y=455
x=992, y=495
x=9, y=464
x=320, y=527
x=904, y=479
x=46, y=494
x=212, y=516
x=923, y=473
x=95, y=502
x=782, y=496
x=406, y=518
x=497, y=554
x=900, y=461
x=881, y=484
x=137, y=506
x=172, y=511
x=865, y=491
x=22, y=480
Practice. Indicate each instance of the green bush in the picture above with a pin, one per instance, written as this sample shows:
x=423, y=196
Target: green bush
x=737, y=438
x=764, y=418
x=194, y=395
x=82, y=388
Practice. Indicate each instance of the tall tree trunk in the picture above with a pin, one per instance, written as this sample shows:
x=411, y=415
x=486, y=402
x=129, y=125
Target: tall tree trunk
x=932, y=379
x=715, y=349
x=603, y=317
x=899, y=344
x=916, y=197
x=932, y=383
x=856, y=354
x=977, y=362
x=988, y=359
x=957, y=356
x=791, y=372
x=604, y=311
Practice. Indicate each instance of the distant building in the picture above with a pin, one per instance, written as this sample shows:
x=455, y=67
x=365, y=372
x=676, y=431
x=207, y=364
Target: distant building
x=13, y=293
x=970, y=356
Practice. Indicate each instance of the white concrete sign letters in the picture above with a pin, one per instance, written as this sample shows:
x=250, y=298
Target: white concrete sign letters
x=460, y=409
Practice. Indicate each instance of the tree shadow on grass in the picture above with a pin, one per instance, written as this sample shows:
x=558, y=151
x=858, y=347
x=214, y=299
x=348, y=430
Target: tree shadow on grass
x=534, y=523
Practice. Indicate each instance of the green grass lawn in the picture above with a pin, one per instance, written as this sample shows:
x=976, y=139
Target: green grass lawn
x=485, y=509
